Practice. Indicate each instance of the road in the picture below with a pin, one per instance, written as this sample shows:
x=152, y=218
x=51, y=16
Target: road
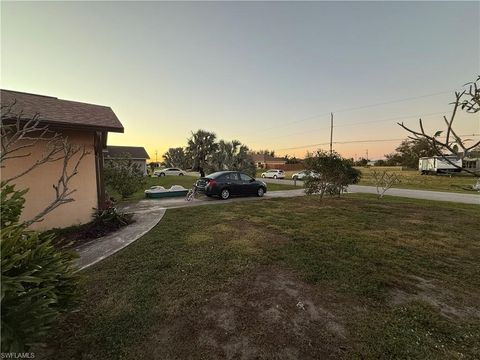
x=409, y=193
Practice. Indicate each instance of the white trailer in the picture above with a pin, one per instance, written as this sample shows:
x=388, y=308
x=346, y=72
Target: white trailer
x=439, y=165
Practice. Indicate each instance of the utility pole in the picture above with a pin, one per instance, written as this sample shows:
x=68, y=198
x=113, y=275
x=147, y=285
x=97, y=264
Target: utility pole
x=367, y=154
x=331, y=132
x=156, y=157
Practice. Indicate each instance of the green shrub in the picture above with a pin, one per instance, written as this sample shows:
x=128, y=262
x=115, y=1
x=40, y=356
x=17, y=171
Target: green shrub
x=12, y=204
x=334, y=174
x=38, y=281
x=123, y=175
x=105, y=221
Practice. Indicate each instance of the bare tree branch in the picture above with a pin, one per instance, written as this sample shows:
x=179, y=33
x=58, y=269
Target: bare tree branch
x=62, y=191
x=469, y=100
x=384, y=181
x=19, y=134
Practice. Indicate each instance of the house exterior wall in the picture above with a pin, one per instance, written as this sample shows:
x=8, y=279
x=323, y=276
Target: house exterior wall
x=142, y=164
x=281, y=165
x=40, y=180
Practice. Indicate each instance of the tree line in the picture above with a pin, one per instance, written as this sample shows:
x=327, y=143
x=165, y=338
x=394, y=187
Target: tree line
x=203, y=153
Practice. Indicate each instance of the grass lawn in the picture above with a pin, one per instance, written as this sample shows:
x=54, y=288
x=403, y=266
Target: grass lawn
x=411, y=179
x=294, y=278
x=185, y=181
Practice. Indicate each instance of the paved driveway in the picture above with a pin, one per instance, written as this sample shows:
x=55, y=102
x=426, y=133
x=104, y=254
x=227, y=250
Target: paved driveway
x=157, y=204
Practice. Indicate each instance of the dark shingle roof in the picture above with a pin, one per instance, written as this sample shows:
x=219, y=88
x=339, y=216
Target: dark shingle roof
x=62, y=112
x=136, y=152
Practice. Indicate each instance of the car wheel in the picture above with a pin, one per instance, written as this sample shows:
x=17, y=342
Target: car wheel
x=162, y=174
x=274, y=176
x=260, y=192
x=263, y=176
x=225, y=194
x=180, y=174
x=295, y=177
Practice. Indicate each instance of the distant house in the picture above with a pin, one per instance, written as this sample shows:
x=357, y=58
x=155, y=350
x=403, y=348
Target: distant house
x=137, y=153
x=471, y=163
x=86, y=126
x=266, y=161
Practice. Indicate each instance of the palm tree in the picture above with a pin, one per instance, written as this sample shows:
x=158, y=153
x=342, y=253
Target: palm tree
x=176, y=157
x=201, y=146
x=232, y=156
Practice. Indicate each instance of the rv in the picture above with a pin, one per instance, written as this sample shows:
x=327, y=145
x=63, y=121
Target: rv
x=439, y=165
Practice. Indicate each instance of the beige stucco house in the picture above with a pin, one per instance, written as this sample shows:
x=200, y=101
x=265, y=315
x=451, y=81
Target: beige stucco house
x=85, y=125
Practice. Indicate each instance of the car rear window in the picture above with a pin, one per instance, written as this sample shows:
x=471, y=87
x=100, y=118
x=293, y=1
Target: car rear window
x=229, y=177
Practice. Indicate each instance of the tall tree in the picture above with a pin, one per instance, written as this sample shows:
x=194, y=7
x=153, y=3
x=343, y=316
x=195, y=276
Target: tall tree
x=201, y=146
x=409, y=151
x=232, y=155
x=266, y=152
x=176, y=157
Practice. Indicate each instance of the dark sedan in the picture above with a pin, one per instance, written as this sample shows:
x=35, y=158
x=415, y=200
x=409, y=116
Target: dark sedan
x=230, y=183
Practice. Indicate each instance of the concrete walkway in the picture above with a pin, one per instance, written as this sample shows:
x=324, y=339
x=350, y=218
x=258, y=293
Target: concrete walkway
x=409, y=193
x=99, y=249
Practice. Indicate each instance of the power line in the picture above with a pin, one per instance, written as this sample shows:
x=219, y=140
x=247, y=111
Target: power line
x=390, y=119
x=353, y=109
x=392, y=101
x=353, y=142
x=359, y=123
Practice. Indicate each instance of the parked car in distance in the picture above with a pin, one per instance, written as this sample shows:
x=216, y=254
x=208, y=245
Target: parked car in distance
x=169, y=172
x=274, y=174
x=303, y=174
x=225, y=184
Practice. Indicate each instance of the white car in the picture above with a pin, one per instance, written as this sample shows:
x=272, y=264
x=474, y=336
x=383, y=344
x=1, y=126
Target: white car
x=274, y=174
x=169, y=171
x=303, y=174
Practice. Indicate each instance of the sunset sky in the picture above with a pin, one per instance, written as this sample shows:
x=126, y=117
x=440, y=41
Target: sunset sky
x=265, y=73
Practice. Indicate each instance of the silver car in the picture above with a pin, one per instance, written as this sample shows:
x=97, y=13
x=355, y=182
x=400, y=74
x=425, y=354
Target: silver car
x=303, y=174
x=169, y=172
x=274, y=174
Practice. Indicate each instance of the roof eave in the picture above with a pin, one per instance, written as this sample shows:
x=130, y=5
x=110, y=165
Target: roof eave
x=65, y=125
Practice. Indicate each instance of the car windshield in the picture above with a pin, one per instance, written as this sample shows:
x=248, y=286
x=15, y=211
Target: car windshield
x=215, y=174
